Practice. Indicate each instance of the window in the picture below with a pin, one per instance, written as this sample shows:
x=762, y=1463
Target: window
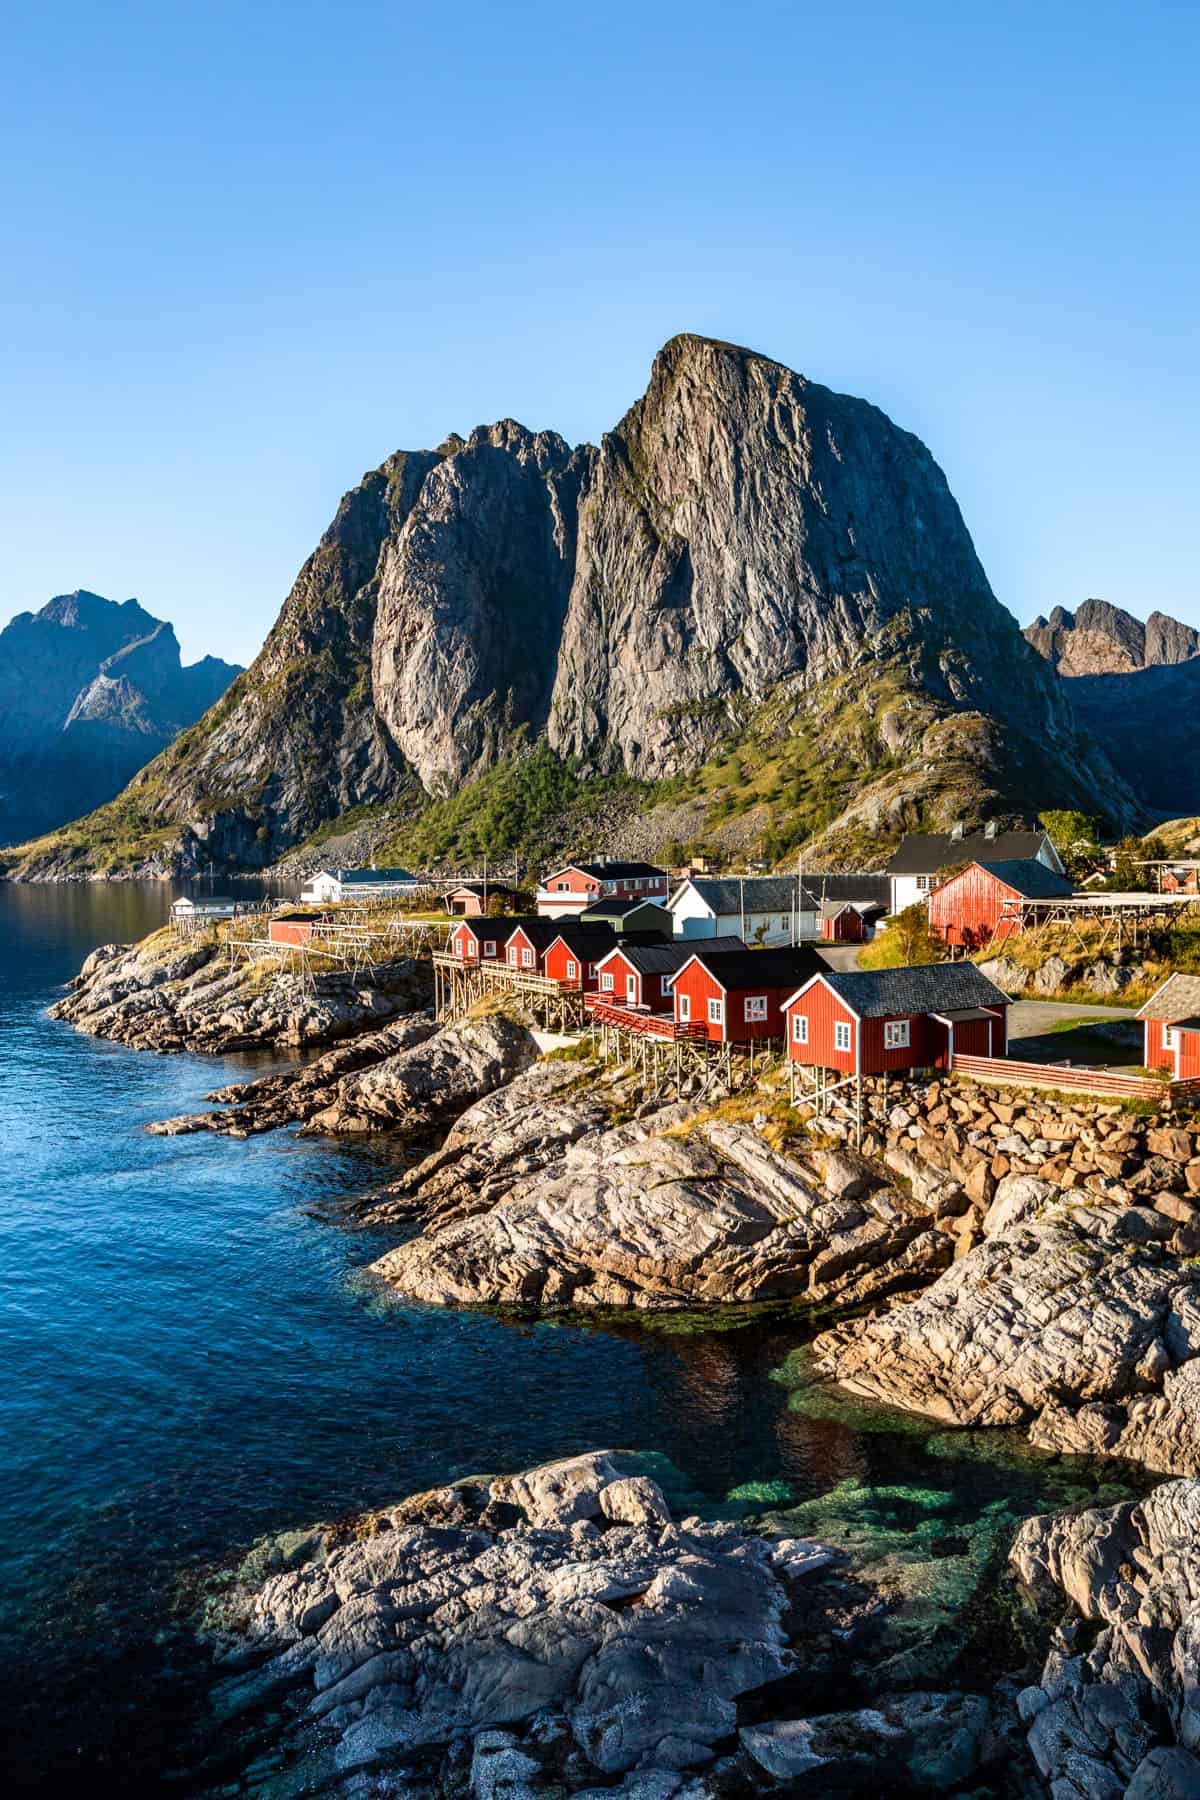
x=606, y=982
x=572, y=969
x=591, y=971
x=489, y=946
x=631, y=987
x=664, y=984
x=564, y=887
x=925, y=882
x=512, y=957
x=1170, y=1037
x=685, y=1007
x=460, y=946
x=895, y=1034
x=527, y=959
x=800, y=1028
x=841, y=1035
x=756, y=1006
x=716, y=1012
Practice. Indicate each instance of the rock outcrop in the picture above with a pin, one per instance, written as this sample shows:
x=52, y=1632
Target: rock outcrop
x=89, y=691
x=703, y=1215
x=162, y=995
x=1117, y=1711
x=1137, y=685
x=742, y=531
x=560, y=1632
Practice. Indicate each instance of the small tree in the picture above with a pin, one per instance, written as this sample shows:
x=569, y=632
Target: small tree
x=497, y=906
x=916, y=942
x=1076, y=839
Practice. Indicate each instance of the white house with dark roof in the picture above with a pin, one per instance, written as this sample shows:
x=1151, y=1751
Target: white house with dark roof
x=914, y=869
x=359, y=884
x=762, y=909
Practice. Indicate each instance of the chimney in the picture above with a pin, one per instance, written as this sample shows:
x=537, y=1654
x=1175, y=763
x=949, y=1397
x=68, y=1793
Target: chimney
x=989, y=830
x=956, y=832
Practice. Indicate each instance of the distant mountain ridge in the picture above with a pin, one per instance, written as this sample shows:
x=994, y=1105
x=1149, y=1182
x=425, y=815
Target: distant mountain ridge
x=1137, y=686
x=90, y=690
x=754, y=603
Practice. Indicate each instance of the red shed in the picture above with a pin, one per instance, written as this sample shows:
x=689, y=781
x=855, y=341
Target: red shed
x=1178, y=881
x=295, y=927
x=969, y=909
x=483, y=940
x=471, y=899
x=640, y=974
x=738, y=996
x=842, y=923
x=566, y=892
x=879, y=1021
x=1172, y=1020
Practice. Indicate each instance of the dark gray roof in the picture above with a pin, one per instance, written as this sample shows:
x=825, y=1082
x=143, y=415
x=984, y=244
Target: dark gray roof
x=928, y=987
x=860, y=890
x=1177, y=1000
x=1030, y=878
x=588, y=935
x=758, y=893
x=925, y=852
x=372, y=877
x=480, y=887
x=540, y=932
x=786, y=967
x=610, y=871
x=665, y=959
x=498, y=929
x=617, y=909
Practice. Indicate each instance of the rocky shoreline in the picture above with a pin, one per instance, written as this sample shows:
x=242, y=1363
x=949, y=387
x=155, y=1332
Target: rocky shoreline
x=987, y=1259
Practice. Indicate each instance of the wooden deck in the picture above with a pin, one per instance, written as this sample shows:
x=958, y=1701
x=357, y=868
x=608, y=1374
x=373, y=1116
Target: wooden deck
x=1067, y=1078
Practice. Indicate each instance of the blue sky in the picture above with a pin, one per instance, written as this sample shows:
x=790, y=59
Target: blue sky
x=249, y=250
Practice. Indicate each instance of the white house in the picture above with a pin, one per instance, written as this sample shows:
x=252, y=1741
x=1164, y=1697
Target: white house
x=359, y=884
x=762, y=909
x=913, y=870
x=206, y=906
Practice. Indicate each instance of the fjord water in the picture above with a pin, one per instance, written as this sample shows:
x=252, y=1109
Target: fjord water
x=192, y=1356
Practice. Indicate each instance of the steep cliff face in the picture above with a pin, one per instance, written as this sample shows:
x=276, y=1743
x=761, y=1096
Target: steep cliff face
x=89, y=691
x=1137, y=686
x=742, y=533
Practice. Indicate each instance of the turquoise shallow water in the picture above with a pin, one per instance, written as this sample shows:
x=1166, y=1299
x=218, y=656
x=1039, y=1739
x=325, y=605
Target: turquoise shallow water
x=191, y=1357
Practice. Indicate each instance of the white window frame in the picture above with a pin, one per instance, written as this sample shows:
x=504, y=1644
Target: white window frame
x=799, y=1028
x=460, y=946
x=843, y=1035
x=591, y=971
x=489, y=946
x=527, y=959
x=631, y=989
x=716, y=1011
x=664, y=984
x=683, y=1002
x=754, y=1009
x=572, y=969
x=606, y=981
x=1171, y=1039
x=897, y=1034
x=513, y=957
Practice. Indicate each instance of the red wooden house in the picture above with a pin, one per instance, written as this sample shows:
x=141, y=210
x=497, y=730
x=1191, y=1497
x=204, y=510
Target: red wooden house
x=880, y=1021
x=641, y=974
x=483, y=940
x=526, y=946
x=574, y=955
x=842, y=923
x=295, y=927
x=1178, y=881
x=565, y=892
x=988, y=901
x=471, y=899
x=1172, y=1020
x=738, y=996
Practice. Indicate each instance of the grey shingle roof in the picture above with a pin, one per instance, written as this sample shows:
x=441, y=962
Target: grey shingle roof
x=759, y=893
x=617, y=909
x=372, y=877
x=664, y=959
x=859, y=890
x=786, y=967
x=925, y=852
x=1030, y=878
x=480, y=887
x=1176, y=1000
x=929, y=987
x=498, y=929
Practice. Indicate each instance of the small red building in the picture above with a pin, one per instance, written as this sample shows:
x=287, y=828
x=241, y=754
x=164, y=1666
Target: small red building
x=640, y=974
x=566, y=892
x=880, y=1021
x=737, y=996
x=471, y=899
x=842, y=923
x=574, y=955
x=1178, y=881
x=525, y=946
x=295, y=927
x=986, y=901
x=1172, y=1021
x=483, y=940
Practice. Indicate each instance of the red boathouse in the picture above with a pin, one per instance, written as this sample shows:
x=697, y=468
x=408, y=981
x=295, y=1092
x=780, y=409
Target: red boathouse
x=990, y=900
x=640, y=975
x=483, y=940
x=738, y=996
x=574, y=956
x=882, y=1021
x=295, y=927
x=1172, y=1021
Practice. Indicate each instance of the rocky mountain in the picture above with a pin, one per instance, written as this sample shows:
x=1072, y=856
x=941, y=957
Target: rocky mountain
x=749, y=565
x=1137, y=686
x=90, y=690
